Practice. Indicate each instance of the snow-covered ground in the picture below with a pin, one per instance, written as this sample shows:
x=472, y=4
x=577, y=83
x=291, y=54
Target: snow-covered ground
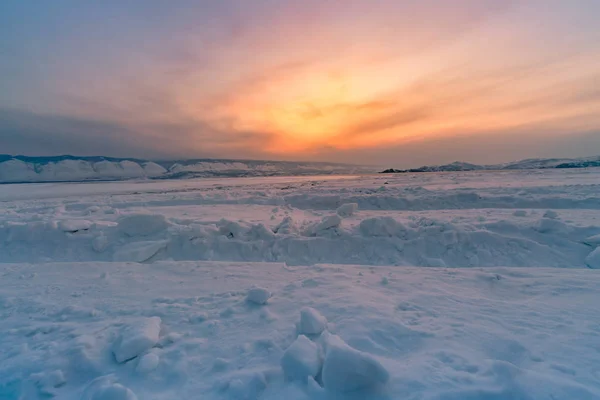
x=200, y=288
x=478, y=219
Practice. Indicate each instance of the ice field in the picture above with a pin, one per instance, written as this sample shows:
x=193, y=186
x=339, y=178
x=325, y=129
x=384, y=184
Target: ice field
x=470, y=286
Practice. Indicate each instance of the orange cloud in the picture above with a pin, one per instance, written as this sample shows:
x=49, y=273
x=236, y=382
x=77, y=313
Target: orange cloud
x=356, y=104
x=288, y=79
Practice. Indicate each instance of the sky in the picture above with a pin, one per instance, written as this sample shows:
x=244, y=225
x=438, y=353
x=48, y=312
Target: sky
x=387, y=82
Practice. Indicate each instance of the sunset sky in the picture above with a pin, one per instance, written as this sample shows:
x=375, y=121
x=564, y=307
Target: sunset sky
x=398, y=82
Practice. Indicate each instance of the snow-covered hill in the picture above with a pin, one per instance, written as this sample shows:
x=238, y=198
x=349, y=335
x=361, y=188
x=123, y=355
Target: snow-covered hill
x=531, y=163
x=17, y=169
x=71, y=168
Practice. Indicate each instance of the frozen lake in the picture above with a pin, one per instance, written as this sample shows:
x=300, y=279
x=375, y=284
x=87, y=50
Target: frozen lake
x=138, y=289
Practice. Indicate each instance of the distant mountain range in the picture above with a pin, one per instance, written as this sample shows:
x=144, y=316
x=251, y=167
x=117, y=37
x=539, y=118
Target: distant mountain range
x=532, y=163
x=21, y=169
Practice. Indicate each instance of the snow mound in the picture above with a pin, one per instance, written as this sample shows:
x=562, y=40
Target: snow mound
x=381, y=226
x=136, y=339
x=232, y=229
x=244, y=230
x=311, y=322
x=301, y=360
x=100, y=243
x=327, y=223
x=550, y=225
x=593, y=259
x=246, y=385
x=142, y=224
x=593, y=240
x=346, y=369
x=113, y=391
x=258, y=296
x=260, y=232
x=551, y=214
x=74, y=225
x=139, y=251
x=48, y=381
x=287, y=226
x=347, y=209
x=148, y=362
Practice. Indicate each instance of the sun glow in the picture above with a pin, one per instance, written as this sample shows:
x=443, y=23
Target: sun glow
x=307, y=80
x=317, y=106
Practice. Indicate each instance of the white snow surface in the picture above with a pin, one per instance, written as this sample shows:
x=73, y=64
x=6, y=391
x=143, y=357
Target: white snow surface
x=139, y=290
x=468, y=333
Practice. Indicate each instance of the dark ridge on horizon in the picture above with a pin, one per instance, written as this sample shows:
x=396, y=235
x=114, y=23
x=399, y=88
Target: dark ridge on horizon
x=529, y=163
